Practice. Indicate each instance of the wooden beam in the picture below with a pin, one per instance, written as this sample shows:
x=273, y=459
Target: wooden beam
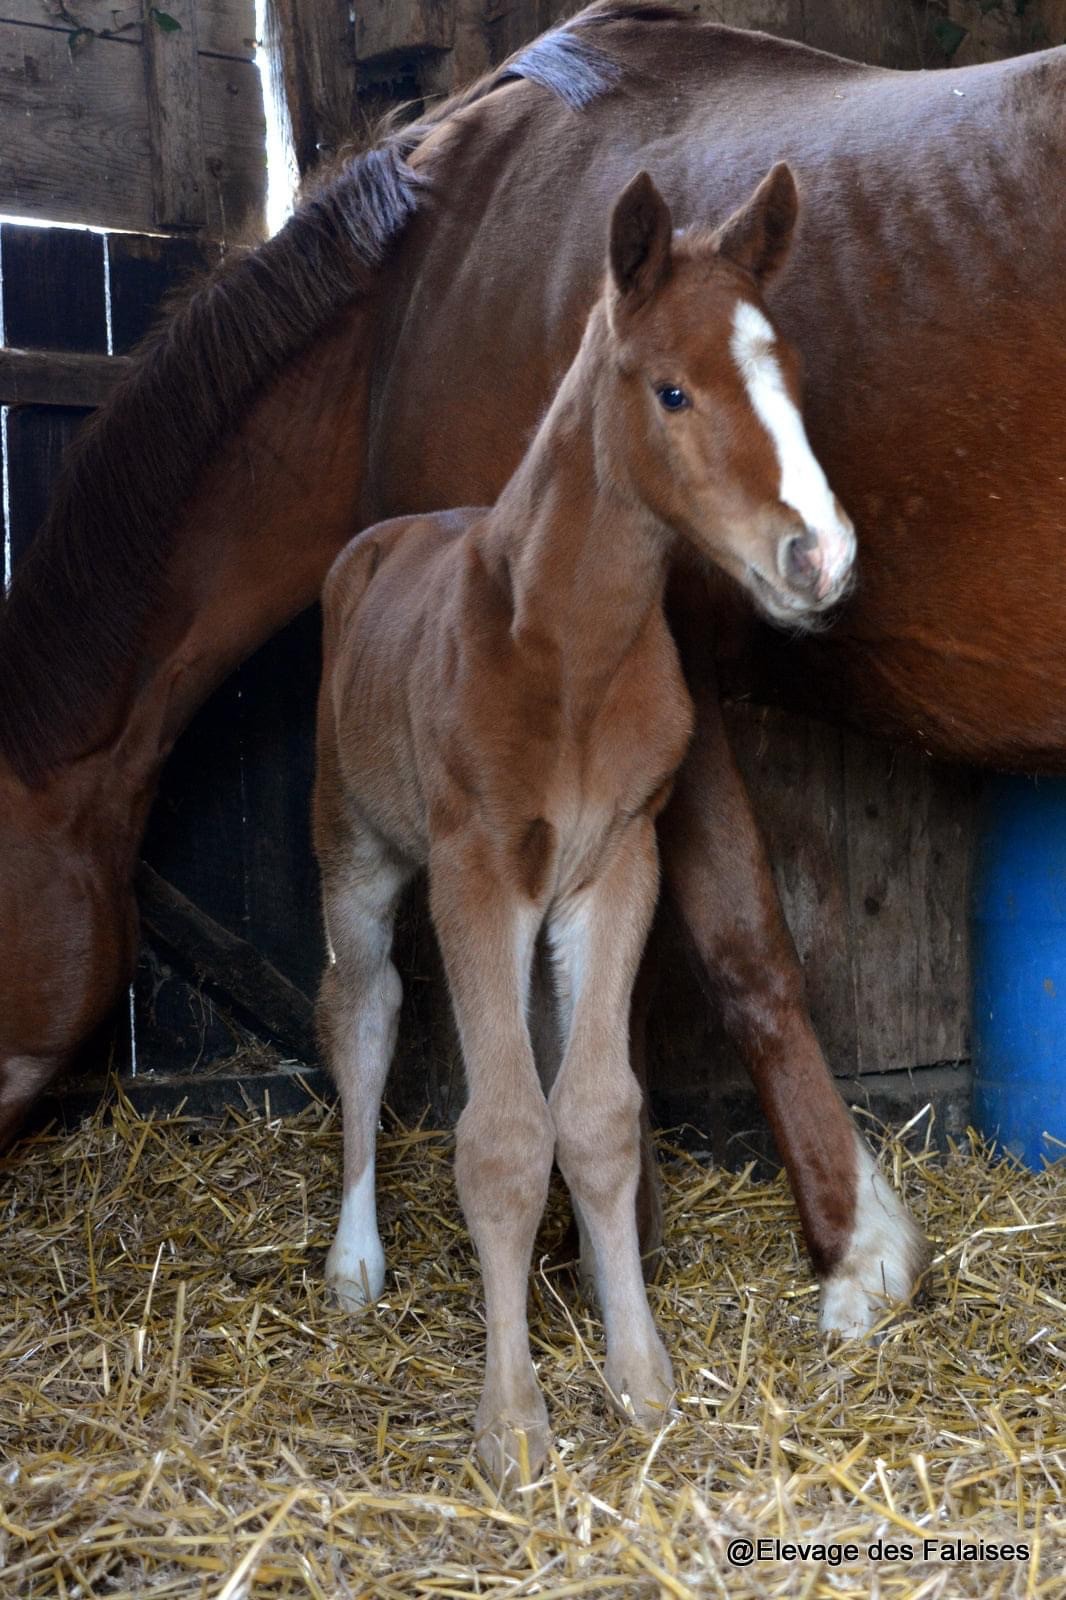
x=57, y=377
x=175, y=126
x=199, y=945
x=312, y=47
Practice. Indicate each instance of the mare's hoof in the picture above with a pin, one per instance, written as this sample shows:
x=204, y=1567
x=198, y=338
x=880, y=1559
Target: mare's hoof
x=878, y=1273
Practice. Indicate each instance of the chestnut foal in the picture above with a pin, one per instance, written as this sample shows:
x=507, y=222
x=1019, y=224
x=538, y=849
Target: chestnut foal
x=501, y=698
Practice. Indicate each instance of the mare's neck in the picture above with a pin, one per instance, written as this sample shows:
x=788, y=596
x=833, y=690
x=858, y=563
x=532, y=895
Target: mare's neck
x=583, y=558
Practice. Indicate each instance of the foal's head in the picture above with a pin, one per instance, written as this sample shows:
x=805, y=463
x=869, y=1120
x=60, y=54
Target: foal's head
x=702, y=422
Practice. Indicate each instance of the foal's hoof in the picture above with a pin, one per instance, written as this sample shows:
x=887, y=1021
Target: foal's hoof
x=513, y=1445
x=354, y=1285
x=642, y=1387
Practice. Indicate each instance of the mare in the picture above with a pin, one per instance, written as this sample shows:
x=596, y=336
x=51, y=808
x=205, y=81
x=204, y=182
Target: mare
x=298, y=395
x=502, y=702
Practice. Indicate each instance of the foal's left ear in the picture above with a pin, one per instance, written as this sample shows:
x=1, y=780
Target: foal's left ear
x=640, y=240
x=757, y=236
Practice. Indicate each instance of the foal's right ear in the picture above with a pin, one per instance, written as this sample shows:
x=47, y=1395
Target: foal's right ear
x=640, y=240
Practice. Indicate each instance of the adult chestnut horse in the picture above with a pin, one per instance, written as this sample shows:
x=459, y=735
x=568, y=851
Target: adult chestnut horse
x=390, y=351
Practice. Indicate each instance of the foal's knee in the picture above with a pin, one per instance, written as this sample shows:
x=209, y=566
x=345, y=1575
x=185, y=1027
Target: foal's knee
x=597, y=1133
x=503, y=1156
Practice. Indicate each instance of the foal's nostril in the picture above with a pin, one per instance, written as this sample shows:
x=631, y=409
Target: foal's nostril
x=802, y=564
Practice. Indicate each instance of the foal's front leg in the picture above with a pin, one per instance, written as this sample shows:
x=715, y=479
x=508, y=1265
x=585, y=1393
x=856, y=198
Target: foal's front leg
x=504, y=1139
x=596, y=1107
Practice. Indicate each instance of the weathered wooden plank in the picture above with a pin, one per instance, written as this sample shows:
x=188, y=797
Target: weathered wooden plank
x=36, y=439
x=385, y=27
x=53, y=288
x=279, y=688
x=883, y=34
x=74, y=135
x=942, y=1027
x=143, y=269
x=312, y=46
x=229, y=964
x=196, y=838
x=175, y=122
x=180, y=1024
x=56, y=377
x=224, y=27
x=909, y=832
x=793, y=767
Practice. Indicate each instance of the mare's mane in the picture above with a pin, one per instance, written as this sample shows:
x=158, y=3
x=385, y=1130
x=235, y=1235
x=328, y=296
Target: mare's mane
x=73, y=622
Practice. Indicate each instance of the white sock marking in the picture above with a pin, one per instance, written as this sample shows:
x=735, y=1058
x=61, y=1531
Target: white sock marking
x=885, y=1255
x=357, y=1245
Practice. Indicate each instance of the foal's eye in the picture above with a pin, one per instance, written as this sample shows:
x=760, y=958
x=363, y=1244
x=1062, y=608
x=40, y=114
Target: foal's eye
x=671, y=398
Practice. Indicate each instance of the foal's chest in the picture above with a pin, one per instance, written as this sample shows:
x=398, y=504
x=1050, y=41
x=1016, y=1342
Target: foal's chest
x=614, y=762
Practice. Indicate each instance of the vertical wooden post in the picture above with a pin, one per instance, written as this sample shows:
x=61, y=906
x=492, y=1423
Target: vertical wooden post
x=312, y=45
x=175, y=131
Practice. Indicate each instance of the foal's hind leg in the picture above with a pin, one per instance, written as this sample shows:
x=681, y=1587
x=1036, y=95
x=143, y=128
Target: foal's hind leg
x=596, y=1108
x=358, y=1008
x=649, y=1205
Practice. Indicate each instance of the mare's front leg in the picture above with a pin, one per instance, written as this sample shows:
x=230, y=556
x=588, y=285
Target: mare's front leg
x=865, y=1246
x=596, y=939
x=357, y=1013
x=504, y=1139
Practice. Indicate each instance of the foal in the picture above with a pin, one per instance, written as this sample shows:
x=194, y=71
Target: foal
x=501, y=699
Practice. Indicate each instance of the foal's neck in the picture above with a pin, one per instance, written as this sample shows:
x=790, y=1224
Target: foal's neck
x=584, y=559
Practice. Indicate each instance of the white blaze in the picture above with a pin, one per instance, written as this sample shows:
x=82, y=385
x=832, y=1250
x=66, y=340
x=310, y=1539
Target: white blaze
x=803, y=483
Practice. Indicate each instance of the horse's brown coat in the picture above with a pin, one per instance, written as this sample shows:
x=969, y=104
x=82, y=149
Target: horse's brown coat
x=925, y=292
x=502, y=701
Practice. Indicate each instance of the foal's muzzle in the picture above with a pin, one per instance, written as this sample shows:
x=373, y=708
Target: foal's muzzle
x=816, y=567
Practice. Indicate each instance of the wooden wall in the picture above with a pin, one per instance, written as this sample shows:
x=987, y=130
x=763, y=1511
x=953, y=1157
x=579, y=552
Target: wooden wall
x=871, y=846
x=447, y=44
x=122, y=116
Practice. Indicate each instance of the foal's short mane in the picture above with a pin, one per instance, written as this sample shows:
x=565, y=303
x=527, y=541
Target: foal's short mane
x=72, y=625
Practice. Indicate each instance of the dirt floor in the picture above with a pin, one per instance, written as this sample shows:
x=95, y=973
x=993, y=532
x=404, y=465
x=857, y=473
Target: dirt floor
x=181, y=1413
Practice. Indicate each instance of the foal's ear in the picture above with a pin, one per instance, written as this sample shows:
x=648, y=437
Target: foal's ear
x=757, y=236
x=640, y=240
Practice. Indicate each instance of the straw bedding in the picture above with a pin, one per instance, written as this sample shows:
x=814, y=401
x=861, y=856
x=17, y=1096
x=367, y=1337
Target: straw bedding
x=182, y=1414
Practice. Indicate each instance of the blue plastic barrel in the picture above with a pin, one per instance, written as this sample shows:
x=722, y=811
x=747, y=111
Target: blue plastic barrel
x=1019, y=967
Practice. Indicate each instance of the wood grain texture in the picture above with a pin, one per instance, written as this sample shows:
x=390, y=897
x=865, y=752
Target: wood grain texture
x=53, y=288
x=56, y=378
x=175, y=121
x=230, y=965
x=224, y=27
x=74, y=134
x=871, y=849
x=386, y=27
x=143, y=270
x=37, y=436
x=909, y=838
x=794, y=770
x=312, y=47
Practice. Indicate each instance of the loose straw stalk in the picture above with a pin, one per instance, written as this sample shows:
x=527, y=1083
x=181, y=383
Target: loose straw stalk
x=182, y=1413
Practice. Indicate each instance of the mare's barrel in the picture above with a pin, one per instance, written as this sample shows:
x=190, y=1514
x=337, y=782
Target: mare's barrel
x=1019, y=967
